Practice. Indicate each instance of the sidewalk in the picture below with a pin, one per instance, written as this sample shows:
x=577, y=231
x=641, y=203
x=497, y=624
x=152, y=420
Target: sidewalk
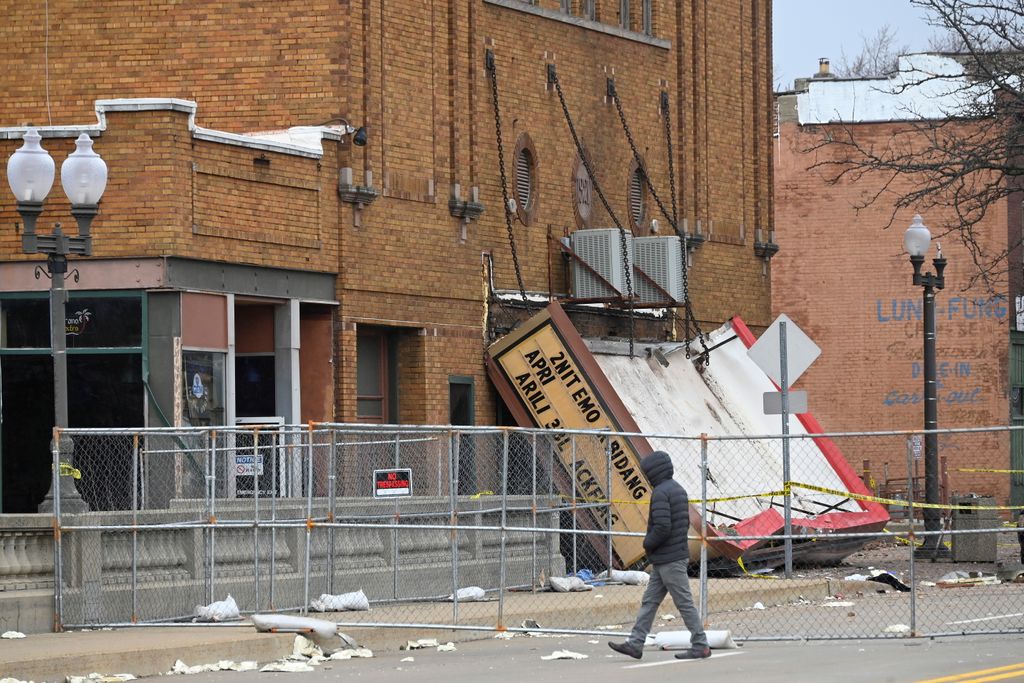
x=146, y=651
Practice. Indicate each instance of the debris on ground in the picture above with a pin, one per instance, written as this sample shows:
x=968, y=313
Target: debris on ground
x=287, y=666
x=758, y=605
x=880, y=576
x=964, y=578
x=446, y=647
x=181, y=667
x=345, y=602
x=286, y=623
x=630, y=578
x=564, y=654
x=680, y=640
x=352, y=653
x=897, y=628
x=419, y=644
x=408, y=659
x=101, y=678
x=505, y=635
x=568, y=584
x=12, y=634
x=668, y=617
x=837, y=603
x=306, y=648
x=468, y=594
x=13, y=680
x=221, y=610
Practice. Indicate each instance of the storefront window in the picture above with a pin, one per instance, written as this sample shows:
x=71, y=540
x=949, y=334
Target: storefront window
x=203, y=386
x=92, y=322
x=25, y=323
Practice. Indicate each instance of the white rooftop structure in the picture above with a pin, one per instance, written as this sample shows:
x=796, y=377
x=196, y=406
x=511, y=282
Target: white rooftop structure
x=925, y=86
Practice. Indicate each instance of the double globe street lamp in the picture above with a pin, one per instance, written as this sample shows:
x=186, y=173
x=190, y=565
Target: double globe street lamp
x=916, y=241
x=83, y=175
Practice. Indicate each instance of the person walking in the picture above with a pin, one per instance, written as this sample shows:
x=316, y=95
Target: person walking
x=668, y=523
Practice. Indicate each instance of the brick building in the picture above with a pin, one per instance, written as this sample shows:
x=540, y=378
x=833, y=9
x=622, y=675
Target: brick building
x=844, y=277
x=245, y=239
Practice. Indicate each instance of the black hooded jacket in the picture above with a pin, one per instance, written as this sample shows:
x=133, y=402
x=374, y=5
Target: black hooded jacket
x=668, y=521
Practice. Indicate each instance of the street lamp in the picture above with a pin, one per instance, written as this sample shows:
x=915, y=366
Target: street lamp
x=83, y=175
x=916, y=240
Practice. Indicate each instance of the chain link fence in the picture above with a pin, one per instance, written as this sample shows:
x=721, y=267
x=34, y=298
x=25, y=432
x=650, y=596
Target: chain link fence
x=500, y=528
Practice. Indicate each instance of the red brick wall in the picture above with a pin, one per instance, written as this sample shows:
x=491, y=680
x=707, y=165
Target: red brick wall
x=844, y=279
x=413, y=73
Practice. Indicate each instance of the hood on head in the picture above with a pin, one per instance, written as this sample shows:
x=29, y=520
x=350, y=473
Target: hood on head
x=657, y=467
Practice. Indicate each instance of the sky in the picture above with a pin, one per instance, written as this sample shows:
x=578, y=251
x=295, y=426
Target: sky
x=806, y=30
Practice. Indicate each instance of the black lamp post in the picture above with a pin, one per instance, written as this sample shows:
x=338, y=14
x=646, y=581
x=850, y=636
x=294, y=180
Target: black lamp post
x=916, y=240
x=83, y=175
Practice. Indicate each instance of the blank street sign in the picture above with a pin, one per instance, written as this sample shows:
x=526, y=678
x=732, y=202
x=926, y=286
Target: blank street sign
x=773, y=402
x=800, y=351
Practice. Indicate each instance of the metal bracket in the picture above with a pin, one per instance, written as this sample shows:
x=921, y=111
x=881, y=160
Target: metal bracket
x=489, y=59
x=610, y=87
x=552, y=75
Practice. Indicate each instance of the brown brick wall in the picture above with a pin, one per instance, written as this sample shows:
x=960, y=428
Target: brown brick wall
x=414, y=74
x=844, y=279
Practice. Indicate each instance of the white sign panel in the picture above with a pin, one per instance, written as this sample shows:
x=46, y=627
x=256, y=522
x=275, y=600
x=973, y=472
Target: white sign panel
x=773, y=402
x=800, y=351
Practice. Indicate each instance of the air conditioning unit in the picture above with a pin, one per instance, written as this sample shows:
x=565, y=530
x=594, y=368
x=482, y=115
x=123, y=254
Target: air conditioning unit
x=601, y=249
x=662, y=259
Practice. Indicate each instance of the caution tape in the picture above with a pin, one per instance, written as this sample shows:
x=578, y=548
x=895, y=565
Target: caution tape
x=739, y=561
x=897, y=501
x=66, y=470
x=990, y=471
x=695, y=501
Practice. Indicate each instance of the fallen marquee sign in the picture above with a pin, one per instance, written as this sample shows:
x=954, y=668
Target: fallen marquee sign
x=550, y=377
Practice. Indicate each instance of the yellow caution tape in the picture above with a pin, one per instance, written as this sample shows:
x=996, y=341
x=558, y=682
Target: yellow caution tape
x=481, y=493
x=66, y=470
x=980, y=469
x=739, y=561
x=897, y=501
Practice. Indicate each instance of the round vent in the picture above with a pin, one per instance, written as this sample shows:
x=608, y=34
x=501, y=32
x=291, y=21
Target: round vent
x=637, y=199
x=524, y=178
x=525, y=183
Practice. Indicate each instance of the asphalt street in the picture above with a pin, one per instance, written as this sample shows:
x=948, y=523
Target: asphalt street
x=959, y=660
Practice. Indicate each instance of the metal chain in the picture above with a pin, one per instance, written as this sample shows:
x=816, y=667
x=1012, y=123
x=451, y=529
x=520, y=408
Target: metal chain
x=690, y=320
x=553, y=76
x=492, y=70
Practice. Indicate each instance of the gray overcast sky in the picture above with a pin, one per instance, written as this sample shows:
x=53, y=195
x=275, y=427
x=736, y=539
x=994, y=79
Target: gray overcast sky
x=805, y=30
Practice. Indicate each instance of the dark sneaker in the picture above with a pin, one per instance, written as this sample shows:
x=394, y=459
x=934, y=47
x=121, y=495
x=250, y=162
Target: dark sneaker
x=694, y=653
x=627, y=648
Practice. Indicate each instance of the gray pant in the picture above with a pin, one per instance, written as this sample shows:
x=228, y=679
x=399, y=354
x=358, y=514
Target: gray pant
x=668, y=578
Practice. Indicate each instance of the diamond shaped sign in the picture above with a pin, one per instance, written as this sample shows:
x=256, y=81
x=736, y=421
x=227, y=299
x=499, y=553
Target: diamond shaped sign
x=800, y=351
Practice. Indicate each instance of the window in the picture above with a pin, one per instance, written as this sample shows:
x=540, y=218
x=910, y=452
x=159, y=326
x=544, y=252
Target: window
x=590, y=9
x=624, y=14
x=376, y=382
x=565, y=6
x=526, y=179
x=203, y=387
x=637, y=199
x=648, y=20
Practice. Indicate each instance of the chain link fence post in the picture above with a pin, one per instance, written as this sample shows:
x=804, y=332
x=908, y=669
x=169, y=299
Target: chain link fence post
x=502, y=574
x=703, y=529
x=58, y=549
x=608, y=495
x=135, y=528
x=212, y=518
x=453, y=449
x=331, y=503
x=910, y=540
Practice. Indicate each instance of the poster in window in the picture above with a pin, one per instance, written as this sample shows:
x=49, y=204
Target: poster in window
x=198, y=384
